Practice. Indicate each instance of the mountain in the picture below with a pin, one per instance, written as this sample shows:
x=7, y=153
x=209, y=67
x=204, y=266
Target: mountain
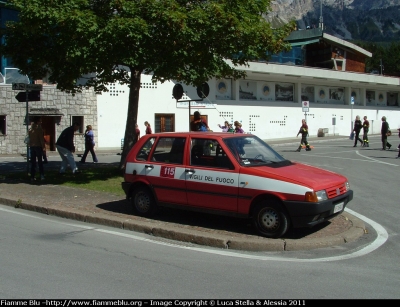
x=366, y=20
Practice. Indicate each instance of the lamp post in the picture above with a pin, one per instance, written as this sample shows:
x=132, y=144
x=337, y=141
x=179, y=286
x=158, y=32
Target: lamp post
x=352, y=103
x=321, y=19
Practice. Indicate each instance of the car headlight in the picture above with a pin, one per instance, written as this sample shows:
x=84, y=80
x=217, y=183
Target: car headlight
x=321, y=195
x=347, y=185
x=317, y=196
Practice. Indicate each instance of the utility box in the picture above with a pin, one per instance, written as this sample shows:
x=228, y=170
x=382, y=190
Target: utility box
x=322, y=132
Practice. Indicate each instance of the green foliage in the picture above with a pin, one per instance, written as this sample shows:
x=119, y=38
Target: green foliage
x=387, y=55
x=102, y=179
x=185, y=41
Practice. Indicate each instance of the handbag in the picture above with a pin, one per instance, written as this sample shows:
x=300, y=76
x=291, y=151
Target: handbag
x=27, y=139
x=389, y=133
x=351, y=137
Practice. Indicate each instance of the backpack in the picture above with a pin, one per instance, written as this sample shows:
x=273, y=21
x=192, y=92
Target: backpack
x=201, y=126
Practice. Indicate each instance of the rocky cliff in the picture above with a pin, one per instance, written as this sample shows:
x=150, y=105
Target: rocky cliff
x=367, y=20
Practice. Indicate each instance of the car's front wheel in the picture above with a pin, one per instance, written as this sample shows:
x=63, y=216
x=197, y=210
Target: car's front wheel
x=270, y=219
x=143, y=202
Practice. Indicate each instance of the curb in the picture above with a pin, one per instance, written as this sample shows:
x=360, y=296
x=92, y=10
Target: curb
x=198, y=235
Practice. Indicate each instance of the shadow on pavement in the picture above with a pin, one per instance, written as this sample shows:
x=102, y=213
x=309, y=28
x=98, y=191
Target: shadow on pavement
x=209, y=222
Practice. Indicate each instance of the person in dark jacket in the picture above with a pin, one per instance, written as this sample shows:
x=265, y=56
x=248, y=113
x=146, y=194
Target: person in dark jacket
x=89, y=145
x=365, y=130
x=384, y=131
x=304, y=133
x=357, y=128
x=197, y=121
x=398, y=147
x=36, y=147
x=65, y=147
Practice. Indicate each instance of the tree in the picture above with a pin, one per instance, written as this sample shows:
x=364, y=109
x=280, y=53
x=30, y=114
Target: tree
x=385, y=58
x=187, y=41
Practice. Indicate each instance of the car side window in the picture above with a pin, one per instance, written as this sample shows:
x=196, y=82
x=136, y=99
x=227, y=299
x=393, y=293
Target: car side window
x=169, y=150
x=143, y=153
x=209, y=153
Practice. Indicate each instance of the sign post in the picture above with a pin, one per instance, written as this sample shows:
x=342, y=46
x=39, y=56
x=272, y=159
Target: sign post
x=202, y=92
x=32, y=91
x=352, y=103
x=306, y=108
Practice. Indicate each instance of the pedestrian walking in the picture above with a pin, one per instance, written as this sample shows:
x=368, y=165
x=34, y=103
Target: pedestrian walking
x=398, y=147
x=148, y=127
x=365, y=132
x=65, y=147
x=46, y=142
x=89, y=145
x=36, y=147
x=304, y=133
x=356, y=129
x=137, y=132
x=384, y=134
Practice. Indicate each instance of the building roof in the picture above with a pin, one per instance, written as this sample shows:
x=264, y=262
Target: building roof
x=311, y=36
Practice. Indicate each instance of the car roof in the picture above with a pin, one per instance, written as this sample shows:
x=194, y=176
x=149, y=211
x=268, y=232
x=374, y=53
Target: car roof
x=200, y=133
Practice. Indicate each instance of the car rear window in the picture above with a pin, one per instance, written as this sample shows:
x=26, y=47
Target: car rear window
x=169, y=150
x=143, y=153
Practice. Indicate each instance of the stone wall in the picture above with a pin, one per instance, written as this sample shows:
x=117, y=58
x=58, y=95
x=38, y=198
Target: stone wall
x=83, y=104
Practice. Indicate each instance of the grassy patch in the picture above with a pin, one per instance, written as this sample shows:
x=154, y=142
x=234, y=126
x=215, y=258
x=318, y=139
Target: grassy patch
x=103, y=179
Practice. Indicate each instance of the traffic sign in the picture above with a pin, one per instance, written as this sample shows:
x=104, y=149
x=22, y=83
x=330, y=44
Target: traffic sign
x=32, y=96
x=27, y=87
x=305, y=105
x=352, y=100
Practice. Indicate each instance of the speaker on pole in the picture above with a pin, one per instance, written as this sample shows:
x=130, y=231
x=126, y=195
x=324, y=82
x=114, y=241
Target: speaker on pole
x=177, y=91
x=203, y=90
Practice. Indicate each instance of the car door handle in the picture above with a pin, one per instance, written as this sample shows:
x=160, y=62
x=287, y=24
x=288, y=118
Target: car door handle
x=149, y=166
x=190, y=171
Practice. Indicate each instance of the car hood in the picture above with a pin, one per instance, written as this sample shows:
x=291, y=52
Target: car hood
x=310, y=176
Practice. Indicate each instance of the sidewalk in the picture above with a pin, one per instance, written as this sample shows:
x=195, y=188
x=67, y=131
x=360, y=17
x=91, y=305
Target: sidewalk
x=226, y=233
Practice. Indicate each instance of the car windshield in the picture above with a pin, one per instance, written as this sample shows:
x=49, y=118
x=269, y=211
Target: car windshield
x=252, y=151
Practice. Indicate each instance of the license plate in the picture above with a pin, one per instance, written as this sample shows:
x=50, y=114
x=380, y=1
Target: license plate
x=338, y=207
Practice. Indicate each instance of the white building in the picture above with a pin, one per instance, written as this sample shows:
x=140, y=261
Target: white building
x=268, y=103
x=321, y=72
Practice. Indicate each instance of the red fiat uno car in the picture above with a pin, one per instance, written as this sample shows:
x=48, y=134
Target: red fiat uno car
x=231, y=174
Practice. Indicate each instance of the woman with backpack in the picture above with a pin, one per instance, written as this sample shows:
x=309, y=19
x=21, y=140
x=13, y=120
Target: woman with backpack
x=197, y=124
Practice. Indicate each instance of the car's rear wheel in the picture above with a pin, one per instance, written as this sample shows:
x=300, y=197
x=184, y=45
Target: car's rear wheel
x=270, y=219
x=143, y=202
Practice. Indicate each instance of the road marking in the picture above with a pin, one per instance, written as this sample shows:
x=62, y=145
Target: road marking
x=381, y=238
x=341, y=158
x=375, y=160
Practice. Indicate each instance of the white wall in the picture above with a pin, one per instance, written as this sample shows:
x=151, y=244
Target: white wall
x=266, y=119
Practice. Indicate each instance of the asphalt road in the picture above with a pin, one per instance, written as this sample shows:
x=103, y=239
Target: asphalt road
x=43, y=256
